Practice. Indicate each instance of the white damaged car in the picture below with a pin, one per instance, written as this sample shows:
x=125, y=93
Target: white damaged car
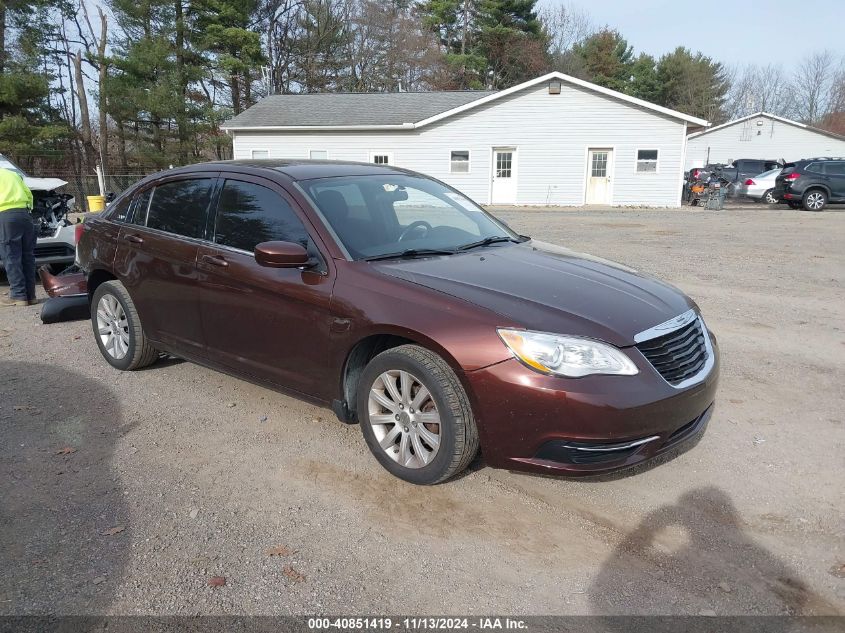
x=56, y=245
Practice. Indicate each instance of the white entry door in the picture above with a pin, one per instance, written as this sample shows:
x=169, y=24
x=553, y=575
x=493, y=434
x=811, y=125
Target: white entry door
x=599, y=169
x=504, y=176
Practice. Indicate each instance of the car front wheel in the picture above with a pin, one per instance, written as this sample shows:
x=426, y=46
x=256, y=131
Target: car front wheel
x=814, y=200
x=117, y=328
x=415, y=415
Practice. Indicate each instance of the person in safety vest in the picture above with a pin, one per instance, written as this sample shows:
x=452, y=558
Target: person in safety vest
x=17, y=239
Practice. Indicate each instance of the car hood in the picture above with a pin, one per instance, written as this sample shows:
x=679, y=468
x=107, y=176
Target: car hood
x=550, y=289
x=43, y=184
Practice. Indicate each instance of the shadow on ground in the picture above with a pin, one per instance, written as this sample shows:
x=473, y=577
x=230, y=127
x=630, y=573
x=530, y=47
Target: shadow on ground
x=61, y=504
x=693, y=557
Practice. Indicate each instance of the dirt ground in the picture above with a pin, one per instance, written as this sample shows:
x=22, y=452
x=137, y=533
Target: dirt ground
x=124, y=493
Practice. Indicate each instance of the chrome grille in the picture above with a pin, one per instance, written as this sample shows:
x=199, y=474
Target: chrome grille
x=680, y=354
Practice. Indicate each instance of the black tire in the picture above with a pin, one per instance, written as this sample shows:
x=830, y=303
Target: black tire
x=139, y=352
x=768, y=198
x=814, y=200
x=458, y=433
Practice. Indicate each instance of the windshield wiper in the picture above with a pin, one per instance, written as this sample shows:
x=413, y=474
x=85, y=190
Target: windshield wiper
x=411, y=252
x=487, y=241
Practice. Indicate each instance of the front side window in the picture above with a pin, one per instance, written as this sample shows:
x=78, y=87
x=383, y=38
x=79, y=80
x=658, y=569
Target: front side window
x=459, y=162
x=249, y=214
x=646, y=160
x=180, y=207
x=374, y=216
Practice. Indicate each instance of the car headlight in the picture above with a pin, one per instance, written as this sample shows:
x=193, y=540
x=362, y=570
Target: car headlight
x=568, y=356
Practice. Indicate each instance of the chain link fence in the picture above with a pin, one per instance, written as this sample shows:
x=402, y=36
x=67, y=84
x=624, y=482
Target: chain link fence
x=81, y=186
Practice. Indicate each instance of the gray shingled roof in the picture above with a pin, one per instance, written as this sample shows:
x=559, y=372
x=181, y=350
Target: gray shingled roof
x=339, y=109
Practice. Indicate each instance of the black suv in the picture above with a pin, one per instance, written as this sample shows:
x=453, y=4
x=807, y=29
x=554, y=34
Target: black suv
x=811, y=183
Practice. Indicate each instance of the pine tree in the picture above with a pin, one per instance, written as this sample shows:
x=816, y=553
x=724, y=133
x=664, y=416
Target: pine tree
x=692, y=83
x=29, y=123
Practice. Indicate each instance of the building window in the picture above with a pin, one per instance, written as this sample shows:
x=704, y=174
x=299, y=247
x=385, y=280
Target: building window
x=459, y=162
x=504, y=164
x=598, y=167
x=318, y=154
x=646, y=160
x=260, y=153
x=381, y=158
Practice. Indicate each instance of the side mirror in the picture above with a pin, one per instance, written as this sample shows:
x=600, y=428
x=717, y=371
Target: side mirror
x=281, y=255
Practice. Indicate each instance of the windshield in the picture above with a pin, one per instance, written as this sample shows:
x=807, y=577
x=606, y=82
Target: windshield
x=374, y=216
x=771, y=172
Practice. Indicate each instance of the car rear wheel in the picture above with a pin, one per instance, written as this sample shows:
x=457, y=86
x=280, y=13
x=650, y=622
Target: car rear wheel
x=117, y=328
x=769, y=197
x=415, y=415
x=814, y=200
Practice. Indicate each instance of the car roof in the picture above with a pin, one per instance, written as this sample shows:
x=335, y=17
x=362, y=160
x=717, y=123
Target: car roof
x=294, y=169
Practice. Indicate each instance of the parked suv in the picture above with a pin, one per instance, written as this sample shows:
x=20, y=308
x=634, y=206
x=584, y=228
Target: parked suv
x=811, y=183
x=407, y=308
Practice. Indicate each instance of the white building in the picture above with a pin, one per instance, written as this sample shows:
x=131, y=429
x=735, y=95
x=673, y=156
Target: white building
x=554, y=140
x=762, y=136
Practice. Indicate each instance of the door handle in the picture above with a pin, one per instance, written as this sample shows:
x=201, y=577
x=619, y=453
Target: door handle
x=134, y=239
x=214, y=260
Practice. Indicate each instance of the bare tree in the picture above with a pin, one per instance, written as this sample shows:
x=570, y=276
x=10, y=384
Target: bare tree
x=565, y=26
x=759, y=89
x=814, y=86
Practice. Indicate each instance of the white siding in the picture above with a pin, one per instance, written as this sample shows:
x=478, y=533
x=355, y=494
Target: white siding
x=771, y=140
x=551, y=134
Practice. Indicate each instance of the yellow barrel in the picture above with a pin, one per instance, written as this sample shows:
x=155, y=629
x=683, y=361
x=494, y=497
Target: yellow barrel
x=96, y=203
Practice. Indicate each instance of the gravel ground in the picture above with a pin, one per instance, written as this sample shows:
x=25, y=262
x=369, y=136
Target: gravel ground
x=124, y=493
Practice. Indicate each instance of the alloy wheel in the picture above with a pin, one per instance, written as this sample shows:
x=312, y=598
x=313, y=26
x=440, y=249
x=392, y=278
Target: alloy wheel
x=770, y=198
x=112, y=327
x=815, y=200
x=404, y=418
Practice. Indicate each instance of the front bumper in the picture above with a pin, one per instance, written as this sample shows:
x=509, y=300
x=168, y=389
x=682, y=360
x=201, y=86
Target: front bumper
x=596, y=424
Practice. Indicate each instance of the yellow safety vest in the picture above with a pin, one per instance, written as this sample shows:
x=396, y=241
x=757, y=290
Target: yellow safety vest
x=14, y=194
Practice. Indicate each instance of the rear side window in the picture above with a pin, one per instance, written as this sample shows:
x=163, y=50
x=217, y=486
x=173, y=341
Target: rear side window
x=180, y=207
x=755, y=166
x=249, y=214
x=139, y=207
x=815, y=168
x=120, y=210
x=835, y=168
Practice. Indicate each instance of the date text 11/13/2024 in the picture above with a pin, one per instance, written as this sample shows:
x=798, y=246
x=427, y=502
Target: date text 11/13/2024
x=416, y=623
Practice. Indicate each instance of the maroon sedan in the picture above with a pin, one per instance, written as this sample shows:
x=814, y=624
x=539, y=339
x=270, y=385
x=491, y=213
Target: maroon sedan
x=405, y=307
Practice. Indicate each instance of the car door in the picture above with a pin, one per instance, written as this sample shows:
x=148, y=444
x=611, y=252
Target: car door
x=156, y=259
x=834, y=172
x=269, y=323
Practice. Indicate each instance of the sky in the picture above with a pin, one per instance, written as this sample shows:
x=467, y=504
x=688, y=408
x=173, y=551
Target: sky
x=733, y=32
